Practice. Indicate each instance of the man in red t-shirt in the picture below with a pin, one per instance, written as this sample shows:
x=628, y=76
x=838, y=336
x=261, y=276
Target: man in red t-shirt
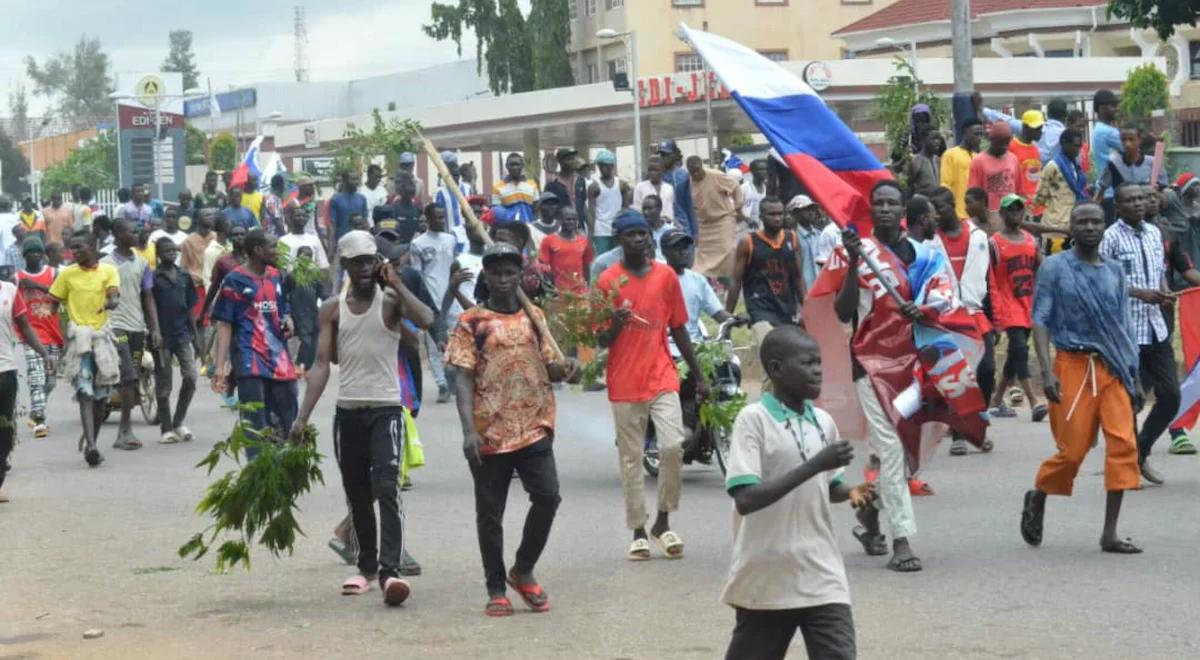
x=568, y=255
x=34, y=283
x=643, y=383
x=995, y=170
x=1012, y=278
x=1029, y=159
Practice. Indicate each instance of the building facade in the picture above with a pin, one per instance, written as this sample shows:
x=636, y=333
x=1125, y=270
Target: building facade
x=780, y=29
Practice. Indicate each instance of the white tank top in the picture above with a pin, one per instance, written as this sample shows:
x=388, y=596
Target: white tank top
x=608, y=205
x=367, y=351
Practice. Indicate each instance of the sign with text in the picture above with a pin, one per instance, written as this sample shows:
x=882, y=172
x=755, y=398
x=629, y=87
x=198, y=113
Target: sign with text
x=679, y=87
x=136, y=116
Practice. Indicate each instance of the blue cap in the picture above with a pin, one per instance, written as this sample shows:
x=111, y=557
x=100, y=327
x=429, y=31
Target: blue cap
x=407, y=158
x=628, y=220
x=668, y=147
x=449, y=158
x=605, y=157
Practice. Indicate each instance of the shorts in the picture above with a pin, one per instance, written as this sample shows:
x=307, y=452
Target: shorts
x=129, y=347
x=85, y=380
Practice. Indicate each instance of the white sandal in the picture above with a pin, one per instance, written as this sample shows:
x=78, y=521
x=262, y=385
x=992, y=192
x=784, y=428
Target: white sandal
x=639, y=550
x=668, y=542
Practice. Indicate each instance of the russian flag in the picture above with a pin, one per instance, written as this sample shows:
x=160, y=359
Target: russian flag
x=823, y=153
x=1189, y=389
x=249, y=165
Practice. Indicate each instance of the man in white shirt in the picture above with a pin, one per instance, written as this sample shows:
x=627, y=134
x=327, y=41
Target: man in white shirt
x=433, y=254
x=374, y=191
x=171, y=230
x=654, y=185
x=445, y=198
x=607, y=195
x=8, y=220
x=297, y=238
x=753, y=192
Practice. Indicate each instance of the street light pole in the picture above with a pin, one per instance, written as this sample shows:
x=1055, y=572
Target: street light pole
x=157, y=141
x=630, y=41
x=964, y=75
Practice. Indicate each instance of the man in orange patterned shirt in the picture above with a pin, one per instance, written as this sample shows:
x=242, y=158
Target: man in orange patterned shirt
x=506, y=405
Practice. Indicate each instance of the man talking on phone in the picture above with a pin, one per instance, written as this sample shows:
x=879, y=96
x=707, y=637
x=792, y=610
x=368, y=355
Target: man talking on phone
x=360, y=330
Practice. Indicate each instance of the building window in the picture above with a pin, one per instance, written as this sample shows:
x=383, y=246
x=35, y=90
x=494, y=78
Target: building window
x=593, y=74
x=1194, y=60
x=688, y=62
x=615, y=66
x=573, y=9
x=613, y=4
x=687, y=3
x=775, y=55
x=590, y=7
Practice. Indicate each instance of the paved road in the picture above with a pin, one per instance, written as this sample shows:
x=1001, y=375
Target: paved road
x=83, y=549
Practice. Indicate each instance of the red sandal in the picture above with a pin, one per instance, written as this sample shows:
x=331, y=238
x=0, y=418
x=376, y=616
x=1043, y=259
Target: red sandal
x=533, y=595
x=498, y=606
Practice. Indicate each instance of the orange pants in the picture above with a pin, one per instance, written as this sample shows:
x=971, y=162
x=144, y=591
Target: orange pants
x=1092, y=399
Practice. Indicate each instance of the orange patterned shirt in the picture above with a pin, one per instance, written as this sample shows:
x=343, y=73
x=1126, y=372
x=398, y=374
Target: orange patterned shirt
x=514, y=401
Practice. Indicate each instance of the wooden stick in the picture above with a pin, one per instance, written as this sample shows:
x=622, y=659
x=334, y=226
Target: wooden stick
x=475, y=226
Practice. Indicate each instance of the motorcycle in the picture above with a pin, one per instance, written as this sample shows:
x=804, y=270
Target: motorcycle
x=704, y=443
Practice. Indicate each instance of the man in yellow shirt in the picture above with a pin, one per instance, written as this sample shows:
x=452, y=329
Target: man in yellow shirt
x=956, y=163
x=252, y=198
x=89, y=290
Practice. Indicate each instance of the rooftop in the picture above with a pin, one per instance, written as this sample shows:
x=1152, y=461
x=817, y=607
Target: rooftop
x=912, y=12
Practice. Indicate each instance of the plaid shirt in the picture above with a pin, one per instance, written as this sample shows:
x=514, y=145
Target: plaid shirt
x=1140, y=254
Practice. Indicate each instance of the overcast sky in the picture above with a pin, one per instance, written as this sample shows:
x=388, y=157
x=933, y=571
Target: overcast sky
x=235, y=41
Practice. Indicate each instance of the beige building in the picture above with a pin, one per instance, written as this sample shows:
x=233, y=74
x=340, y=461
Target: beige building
x=780, y=29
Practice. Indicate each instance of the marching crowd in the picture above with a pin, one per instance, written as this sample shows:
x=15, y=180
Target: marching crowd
x=1040, y=231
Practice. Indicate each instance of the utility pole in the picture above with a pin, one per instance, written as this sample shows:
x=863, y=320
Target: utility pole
x=964, y=77
x=708, y=126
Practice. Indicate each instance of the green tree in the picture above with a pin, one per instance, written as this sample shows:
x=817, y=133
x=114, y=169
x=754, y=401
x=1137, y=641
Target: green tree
x=1146, y=89
x=1161, y=15
x=180, y=58
x=521, y=53
x=387, y=139
x=893, y=107
x=77, y=82
x=222, y=152
x=195, y=142
x=549, y=27
x=15, y=167
x=18, y=105
x=93, y=164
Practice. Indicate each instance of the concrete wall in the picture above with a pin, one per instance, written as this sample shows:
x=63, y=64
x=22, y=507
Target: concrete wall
x=54, y=149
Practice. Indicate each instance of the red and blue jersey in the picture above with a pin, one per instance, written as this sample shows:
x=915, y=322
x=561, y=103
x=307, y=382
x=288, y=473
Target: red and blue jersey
x=255, y=307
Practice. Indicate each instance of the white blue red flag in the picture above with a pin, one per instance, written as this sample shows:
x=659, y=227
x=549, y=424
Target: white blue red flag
x=249, y=165
x=1189, y=331
x=823, y=153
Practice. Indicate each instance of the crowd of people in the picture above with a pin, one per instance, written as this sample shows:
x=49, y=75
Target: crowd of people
x=1075, y=242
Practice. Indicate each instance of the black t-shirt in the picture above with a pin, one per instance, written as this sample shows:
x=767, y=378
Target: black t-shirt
x=174, y=298
x=405, y=220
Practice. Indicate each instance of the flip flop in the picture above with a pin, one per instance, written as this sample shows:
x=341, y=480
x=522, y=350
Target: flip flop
x=1031, y=519
x=1040, y=411
x=498, y=606
x=875, y=545
x=918, y=488
x=639, y=550
x=667, y=542
x=1121, y=547
x=904, y=563
x=355, y=586
x=533, y=594
x=395, y=591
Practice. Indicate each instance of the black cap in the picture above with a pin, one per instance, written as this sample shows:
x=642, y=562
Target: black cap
x=391, y=248
x=673, y=238
x=564, y=153
x=1104, y=97
x=497, y=251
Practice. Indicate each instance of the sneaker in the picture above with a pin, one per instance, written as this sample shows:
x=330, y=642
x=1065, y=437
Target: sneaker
x=443, y=394
x=1015, y=396
x=409, y=566
x=169, y=438
x=958, y=447
x=1040, y=411
x=1181, y=445
x=184, y=433
x=1150, y=474
x=1002, y=410
x=93, y=457
x=395, y=591
x=40, y=430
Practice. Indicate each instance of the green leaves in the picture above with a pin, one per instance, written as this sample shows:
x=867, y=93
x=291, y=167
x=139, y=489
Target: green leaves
x=93, y=164
x=302, y=268
x=1146, y=89
x=222, y=152
x=386, y=138
x=1162, y=15
x=893, y=107
x=255, y=502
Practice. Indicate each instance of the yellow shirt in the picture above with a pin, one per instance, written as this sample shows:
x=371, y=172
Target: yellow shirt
x=254, y=202
x=85, y=292
x=149, y=254
x=956, y=168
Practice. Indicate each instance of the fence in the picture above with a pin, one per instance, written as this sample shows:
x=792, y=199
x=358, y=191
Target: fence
x=106, y=200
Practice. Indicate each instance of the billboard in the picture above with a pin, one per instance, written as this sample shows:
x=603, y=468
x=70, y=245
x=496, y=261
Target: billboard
x=150, y=132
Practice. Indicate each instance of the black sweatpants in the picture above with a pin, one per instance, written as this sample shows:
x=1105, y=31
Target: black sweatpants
x=369, y=444
x=828, y=632
x=8, y=425
x=535, y=466
x=985, y=373
x=1016, y=365
x=1160, y=374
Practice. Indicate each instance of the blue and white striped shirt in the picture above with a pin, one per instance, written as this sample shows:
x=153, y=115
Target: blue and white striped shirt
x=1143, y=260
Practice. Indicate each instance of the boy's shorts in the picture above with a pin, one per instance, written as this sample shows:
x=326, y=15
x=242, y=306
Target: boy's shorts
x=85, y=380
x=130, y=346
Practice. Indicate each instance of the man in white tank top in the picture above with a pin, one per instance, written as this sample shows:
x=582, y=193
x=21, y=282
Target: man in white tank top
x=606, y=197
x=360, y=331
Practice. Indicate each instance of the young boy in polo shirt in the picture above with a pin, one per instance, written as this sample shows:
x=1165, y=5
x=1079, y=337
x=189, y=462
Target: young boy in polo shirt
x=785, y=469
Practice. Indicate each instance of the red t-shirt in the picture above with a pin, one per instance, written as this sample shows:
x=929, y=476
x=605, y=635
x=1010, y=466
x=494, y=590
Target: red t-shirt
x=43, y=314
x=956, y=249
x=1029, y=171
x=998, y=176
x=639, y=363
x=1011, y=281
x=568, y=261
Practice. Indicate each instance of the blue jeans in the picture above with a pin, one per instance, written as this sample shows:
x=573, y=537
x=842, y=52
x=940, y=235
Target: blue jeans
x=278, y=408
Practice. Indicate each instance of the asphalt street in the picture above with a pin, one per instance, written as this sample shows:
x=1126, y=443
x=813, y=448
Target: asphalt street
x=95, y=549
